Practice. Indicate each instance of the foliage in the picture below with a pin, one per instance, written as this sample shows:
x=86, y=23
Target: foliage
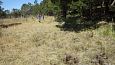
x=1, y=10
x=45, y=7
x=88, y=9
x=26, y=9
x=61, y=9
x=16, y=13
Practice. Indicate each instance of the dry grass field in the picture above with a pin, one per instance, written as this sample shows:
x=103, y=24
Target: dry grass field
x=34, y=43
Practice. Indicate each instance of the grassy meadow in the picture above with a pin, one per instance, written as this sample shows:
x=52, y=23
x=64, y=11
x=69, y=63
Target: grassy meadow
x=34, y=43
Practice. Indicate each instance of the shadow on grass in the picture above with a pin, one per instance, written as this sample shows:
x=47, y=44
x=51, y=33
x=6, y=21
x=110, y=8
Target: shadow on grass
x=78, y=24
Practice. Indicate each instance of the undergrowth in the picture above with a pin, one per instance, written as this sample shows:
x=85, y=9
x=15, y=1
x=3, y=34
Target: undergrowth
x=107, y=30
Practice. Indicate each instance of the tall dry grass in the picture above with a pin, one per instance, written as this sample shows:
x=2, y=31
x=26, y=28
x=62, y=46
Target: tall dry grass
x=34, y=43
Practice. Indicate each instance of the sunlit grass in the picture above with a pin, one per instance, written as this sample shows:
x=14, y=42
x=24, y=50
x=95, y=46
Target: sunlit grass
x=34, y=43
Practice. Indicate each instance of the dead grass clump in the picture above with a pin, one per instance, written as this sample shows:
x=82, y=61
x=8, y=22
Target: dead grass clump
x=70, y=60
x=39, y=39
x=101, y=59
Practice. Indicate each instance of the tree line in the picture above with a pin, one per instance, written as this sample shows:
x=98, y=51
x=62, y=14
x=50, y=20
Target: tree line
x=46, y=7
x=87, y=9
x=7, y=14
x=62, y=9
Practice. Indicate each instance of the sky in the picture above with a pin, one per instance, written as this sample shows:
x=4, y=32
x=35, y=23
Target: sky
x=10, y=4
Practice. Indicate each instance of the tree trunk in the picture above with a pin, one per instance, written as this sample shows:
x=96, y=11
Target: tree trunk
x=63, y=8
x=106, y=9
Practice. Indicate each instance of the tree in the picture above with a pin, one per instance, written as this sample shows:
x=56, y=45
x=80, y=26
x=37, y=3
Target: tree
x=45, y=7
x=1, y=10
x=16, y=13
x=86, y=9
x=26, y=9
x=7, y=11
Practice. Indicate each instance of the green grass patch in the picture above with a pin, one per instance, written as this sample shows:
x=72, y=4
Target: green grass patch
x=107, y=30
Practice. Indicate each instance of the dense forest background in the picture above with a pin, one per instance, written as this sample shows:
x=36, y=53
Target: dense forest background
x=65, y=9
